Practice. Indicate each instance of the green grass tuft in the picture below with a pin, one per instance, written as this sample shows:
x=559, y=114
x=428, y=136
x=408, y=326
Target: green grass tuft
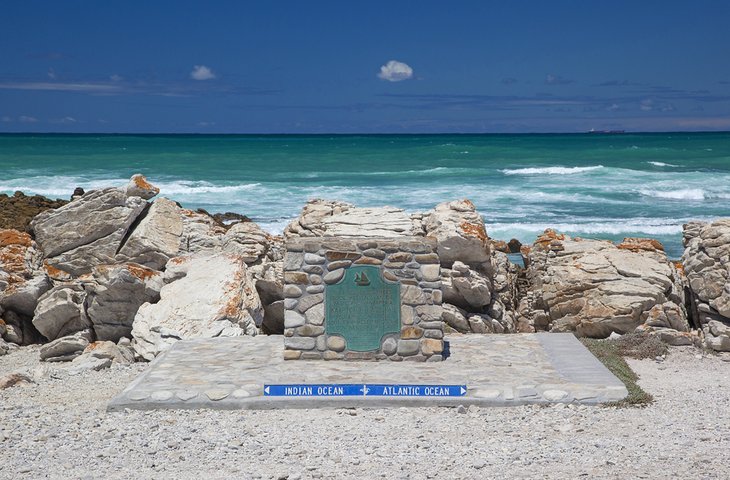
x=611, y=353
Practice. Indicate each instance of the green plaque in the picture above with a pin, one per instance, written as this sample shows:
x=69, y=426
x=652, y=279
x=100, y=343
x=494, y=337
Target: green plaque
x=362, y=307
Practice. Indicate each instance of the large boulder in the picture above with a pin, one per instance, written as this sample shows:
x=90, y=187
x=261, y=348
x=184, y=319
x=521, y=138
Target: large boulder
x=22, y=281
x=205, y=296
x=594, y=287
x=66, y=348
x=460, y=232
x=706, y=262
x=88, y=231
x=61, y=312
x=247, y=240
x=200, y=233
x=466, y=288
x=324, y=218
x=156, y=238
x=116, y=294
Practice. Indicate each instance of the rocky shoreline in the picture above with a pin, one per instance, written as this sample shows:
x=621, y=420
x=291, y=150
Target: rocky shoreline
x=117, y=275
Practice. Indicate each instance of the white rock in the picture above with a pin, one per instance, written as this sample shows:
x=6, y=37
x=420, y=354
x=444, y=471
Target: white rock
x=116, y=294
x=61, y=311
x=206, y=289
x=156, y=238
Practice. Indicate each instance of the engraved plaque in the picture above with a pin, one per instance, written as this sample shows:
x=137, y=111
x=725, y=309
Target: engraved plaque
x=362, y=307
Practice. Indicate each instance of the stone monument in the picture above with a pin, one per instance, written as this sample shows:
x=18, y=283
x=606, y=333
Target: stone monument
x=362, y=299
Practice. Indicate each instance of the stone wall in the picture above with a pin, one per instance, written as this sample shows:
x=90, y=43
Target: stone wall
x=312, y=265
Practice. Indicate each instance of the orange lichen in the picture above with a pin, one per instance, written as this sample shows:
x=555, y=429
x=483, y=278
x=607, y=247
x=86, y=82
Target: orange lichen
x=13, y=237
x=641, y=244
x=548, y=238
x=680, y=267
x=55, y=273
x=93, y=346
x=500, y=246
x=143, y=273
x=474, y=230
x=179, y=260
x=469, y=203
x=142, y=183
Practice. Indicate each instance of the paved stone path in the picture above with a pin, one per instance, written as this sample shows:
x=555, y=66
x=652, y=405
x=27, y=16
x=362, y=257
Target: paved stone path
x=230, y=373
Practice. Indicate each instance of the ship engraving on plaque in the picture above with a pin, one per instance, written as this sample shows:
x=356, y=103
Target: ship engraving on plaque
x=362, y=308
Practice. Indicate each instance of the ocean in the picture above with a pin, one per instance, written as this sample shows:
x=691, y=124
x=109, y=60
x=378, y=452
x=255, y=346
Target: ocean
x=590, y=185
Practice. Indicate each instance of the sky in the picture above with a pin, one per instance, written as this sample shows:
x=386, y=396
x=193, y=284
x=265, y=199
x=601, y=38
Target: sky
x=364, y=67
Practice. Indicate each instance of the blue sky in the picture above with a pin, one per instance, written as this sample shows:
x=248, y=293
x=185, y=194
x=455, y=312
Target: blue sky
x=314, y=67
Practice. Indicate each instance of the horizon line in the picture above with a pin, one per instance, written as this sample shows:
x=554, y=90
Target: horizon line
x=587, y=132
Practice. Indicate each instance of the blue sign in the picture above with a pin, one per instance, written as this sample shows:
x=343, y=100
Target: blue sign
x=363, y=390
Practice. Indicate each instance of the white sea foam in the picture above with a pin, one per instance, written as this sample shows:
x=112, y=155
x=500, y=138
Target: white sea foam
x=643, y=226
x=681, y=194
x=662, y=164
x=182, y=187
x=550, y=170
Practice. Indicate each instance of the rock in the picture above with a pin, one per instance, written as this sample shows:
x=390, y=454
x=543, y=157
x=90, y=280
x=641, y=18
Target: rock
x=116, y=294
x=60, y=311
x=455, y=318
x=466, y=288
x=18, y=210
x=138, y=186
x=480, y=324
x=248, y=240
x=460, y=232
x=13, y=379
x=88, y=231
x=98, y=355
x=309, y=223
x=706, y=262
x=273, y=322
x=331, y=218
x=66, y=348
x=594, y=288
x=204, y=289
x=156, y=238
x=22, y=281
x=200, y=233
x=17, y=330
x=514, y=246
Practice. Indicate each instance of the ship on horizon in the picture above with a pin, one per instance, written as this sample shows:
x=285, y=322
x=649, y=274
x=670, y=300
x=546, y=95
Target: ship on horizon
x=593, y=130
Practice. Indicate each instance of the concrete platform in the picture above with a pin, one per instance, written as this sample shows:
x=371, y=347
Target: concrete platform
x=497, y=370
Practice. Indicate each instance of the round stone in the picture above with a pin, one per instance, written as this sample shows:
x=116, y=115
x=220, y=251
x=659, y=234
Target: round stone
x=186, y=395
x=554, y=395
x=241, y=393
x=431, y=272
x=161, y=396
x=390, y=345
x=334, y=276
x=217, y=394
x=336, y=343
x=292, y=291
x=313, y=259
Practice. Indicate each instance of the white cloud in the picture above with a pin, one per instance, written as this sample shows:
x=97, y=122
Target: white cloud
x=613, y=107
x=647, y=105
x=116, y=78
x=27, y=119
x=6, y=119
x=51, y=74
x=201, y=72
x=395, y=71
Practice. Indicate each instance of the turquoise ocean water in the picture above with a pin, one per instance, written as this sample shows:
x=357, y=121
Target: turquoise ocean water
x=590, y=185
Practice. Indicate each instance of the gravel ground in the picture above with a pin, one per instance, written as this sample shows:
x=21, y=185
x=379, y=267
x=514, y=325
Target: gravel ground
x=58, y=428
